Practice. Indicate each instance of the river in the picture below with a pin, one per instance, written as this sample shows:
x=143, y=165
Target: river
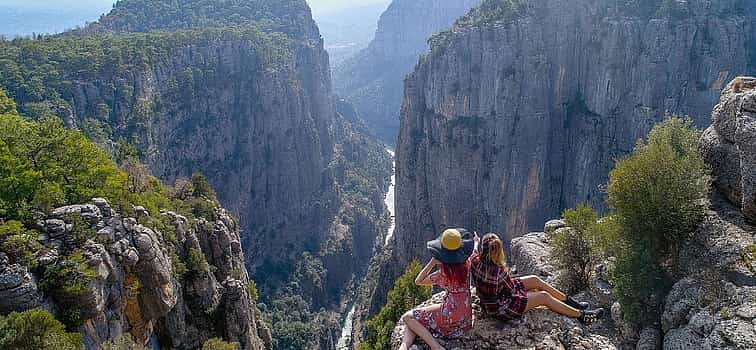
x=345, y=340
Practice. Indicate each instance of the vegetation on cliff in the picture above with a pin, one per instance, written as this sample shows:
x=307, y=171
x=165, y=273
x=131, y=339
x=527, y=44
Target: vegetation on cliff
x=150, y=15
x=404, y=296
x=503, y=11
x=44, y=166
x=35, y=330
x=39, y=73
x=657, y=198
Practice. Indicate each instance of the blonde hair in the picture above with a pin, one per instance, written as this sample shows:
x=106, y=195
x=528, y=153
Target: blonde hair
x=492, y=250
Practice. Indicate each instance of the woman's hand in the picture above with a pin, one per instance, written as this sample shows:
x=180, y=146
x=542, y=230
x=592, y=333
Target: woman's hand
x=422, y=278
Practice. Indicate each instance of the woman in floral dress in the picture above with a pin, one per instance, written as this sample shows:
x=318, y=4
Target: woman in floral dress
x=453, y=317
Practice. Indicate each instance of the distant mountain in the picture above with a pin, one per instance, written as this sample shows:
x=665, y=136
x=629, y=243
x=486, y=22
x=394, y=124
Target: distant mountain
x=372, y=79
x=348, y=31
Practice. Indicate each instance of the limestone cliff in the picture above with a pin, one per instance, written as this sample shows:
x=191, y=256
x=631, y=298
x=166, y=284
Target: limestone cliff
x=712, y=303
x=522, y=107
x=135, y=285
x=241, y=92
x=372, y=80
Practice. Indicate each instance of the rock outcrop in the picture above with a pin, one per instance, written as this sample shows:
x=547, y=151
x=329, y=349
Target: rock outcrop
x=372, y=79
x=133, y=284
x=730, y=144
x=239, y=91
x=519, y=111
x=18, y=288
x=538, y=329
x=713, y=305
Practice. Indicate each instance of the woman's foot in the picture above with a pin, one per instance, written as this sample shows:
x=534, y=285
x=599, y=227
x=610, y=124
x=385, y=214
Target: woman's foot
x=590, y=316
x=579, y=305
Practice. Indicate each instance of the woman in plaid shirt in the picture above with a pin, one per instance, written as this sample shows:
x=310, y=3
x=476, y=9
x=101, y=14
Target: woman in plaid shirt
x=506, y=297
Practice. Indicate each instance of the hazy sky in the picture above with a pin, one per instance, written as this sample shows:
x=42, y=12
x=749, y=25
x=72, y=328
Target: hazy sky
x=318, y=6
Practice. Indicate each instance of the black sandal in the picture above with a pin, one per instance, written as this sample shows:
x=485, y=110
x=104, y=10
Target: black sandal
x=579, y=305
x=590, y=316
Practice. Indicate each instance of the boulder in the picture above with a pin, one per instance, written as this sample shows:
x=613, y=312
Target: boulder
x=538, y=329
x=729, y=144
x=18, y=288
x=530, y=254
x=553, y=225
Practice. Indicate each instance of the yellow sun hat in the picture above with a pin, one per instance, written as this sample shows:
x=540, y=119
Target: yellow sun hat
x=453, y=246
x=451, y=239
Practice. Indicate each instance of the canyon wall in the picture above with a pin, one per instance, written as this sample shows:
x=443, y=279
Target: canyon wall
x=372, y=79
x=511, y=119
x=240, y=92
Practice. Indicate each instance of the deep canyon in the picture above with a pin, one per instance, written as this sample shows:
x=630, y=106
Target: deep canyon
x=496, y=114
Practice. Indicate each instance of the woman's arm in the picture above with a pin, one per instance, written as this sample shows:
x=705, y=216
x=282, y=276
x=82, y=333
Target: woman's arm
x=422, y=278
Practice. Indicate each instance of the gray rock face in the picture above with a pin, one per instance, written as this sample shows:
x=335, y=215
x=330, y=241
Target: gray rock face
x=18, y=289
x=539, y=329
x=730, y=144
x=711, y=307
x=372, y=80
x=507, y=123
x=531, y=252
x=255, y=113
x=134, y=288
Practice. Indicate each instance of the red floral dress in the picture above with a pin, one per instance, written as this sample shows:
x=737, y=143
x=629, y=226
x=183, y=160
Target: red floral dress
x=452, y=318
x=501, y=295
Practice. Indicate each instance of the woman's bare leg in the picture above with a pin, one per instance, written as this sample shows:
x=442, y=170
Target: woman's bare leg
x=536, y=283
x=421, y=332
x=543, y=298
x=408, y=339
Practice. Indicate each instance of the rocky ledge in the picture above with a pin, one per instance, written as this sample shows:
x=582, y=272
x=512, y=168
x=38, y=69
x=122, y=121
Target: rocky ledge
x=540, y=329
x=712, y=304
x=132, y=278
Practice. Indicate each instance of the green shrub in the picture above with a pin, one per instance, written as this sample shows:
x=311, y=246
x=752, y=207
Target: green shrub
x=639, y=284
x=196, y=264
x=606, y=237
x=658, y=197
x=571, y=248
x=69, y=280
x=179, y=268
x=403, y=297
x=19, y=244
x=37, y=157
x=219, y=344
x=202, y=187
x=7, y=105
x=81, y=230
x=658, y=193
x=36, y=329
x=253, y=294
x=203, y=208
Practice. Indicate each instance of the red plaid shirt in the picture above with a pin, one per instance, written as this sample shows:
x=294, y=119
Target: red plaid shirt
x=500, y=294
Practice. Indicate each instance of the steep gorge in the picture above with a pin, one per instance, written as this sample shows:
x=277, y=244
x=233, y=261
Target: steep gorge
x=372, y=79
x=241, y=92
x=520, y=109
